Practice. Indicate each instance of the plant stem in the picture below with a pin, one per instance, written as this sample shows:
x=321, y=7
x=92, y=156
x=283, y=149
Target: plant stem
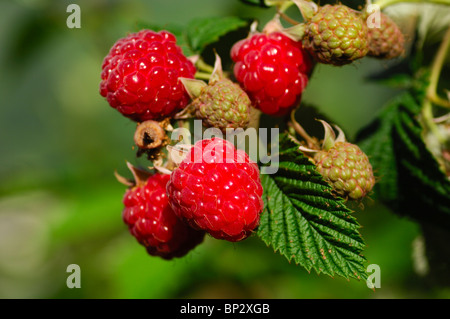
x=287, y=18
x=385, y=3
x=203, y=66
x=439, y=101
x=431, y=94
x=202, y=75
x=436, y=69
x=427, y=117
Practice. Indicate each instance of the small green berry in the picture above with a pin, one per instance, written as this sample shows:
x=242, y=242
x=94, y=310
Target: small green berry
x=347, y=169
x=336, y=35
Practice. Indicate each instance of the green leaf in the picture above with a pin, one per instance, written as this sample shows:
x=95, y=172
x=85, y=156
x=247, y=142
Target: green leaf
x=199, y=32
x=410, y=180
x=305, y=222
x=399, y=80
x=422, y=183
x=203, y=31
x=376, y=141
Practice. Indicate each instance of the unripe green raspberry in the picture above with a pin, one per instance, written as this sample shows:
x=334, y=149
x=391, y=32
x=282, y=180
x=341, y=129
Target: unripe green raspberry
x=336, y=35
x=223, y=104
x=347, y=169
x=387, y=40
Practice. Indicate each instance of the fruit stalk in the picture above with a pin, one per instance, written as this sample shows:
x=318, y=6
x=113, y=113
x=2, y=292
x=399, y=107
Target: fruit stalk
x=287, y=18
x=203, y=66
x=432, y=97
x=202, y=75
x=436, y=69
x=301, y=131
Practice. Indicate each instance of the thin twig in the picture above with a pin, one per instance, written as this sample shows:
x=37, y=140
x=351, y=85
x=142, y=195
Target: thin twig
x=301, y=131
x=287, y=18
x=436, y=69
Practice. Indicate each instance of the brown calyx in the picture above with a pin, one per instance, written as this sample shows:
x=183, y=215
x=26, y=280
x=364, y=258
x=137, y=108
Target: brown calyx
x=149, y=135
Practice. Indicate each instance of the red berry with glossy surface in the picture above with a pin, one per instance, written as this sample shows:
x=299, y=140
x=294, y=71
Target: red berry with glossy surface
x=140, y=76
x=217, y=188
x=273, y=70
x=154, y=224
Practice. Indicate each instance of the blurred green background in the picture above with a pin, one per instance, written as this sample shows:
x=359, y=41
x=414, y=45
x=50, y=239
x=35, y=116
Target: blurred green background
x=60, y=143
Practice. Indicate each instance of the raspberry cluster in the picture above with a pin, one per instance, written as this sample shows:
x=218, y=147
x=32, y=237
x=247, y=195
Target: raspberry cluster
x=169, y=212
x=215, y=189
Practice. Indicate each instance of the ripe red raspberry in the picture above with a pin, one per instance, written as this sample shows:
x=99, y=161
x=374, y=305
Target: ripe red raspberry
x=140, y=76
x=217, y=188
x=154, y=224
x=272, y=69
